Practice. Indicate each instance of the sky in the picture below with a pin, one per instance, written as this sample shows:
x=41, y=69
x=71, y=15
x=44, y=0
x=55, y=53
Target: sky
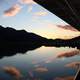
x=28, y=15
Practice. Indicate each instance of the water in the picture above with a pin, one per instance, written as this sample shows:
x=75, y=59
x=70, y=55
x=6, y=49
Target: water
x=42, y=63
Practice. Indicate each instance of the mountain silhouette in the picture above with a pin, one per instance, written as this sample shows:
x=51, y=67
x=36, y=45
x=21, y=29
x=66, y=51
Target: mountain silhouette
x=11, y=35
x=14, y=41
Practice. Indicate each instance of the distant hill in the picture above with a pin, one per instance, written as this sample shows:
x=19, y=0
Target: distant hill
x=10, y=35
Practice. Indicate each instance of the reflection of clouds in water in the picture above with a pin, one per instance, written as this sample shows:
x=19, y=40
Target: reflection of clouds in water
x=37, y=65
x=50, y=59
x=34, y=62
x=46, y=60
x=14, y=72
x=69, y=53
x=31, y=74
x=41, y=69
x=62, y=55
x=34, y=79
x=73, y=65
x=65, y=78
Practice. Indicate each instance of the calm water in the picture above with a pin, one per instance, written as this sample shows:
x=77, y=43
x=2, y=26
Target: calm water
x=42, y=63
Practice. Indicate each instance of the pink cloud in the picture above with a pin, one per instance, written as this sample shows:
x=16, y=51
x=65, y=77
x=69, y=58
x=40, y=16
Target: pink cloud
x=34, y=62
x=41, y=69
x=50, y=59
x=14, y=72
x=73, y=65
x=13, y=10
x=26, y=1
x=67, y=27
x=69, y=54
x=36, y=65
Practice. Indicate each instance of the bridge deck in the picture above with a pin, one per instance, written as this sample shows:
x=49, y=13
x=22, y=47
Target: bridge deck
x=68, y=10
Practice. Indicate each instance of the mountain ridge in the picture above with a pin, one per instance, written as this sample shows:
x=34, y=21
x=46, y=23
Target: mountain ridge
x=12, y=37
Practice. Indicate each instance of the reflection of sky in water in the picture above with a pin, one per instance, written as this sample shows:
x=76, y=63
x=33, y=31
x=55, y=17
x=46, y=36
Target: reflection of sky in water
x=41, y=63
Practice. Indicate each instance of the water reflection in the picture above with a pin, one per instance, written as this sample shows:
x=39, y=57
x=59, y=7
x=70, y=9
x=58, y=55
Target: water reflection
x=12, y=71
x=44, y=63
x=41, y=69
x=65, y=78
x=69, y=53
x=10, y=51
x=75, y=65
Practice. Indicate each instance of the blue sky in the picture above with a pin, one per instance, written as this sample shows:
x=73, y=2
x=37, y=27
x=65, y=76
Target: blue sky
x=24, y=18
x=31, y=17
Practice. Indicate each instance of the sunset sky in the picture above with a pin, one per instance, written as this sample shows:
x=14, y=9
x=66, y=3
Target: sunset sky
x=26, y=14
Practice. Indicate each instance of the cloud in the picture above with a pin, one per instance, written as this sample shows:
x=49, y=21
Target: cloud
x=40, y=13
x=27, y=2
x=41, y=69
x=73, y=65
x=13, y=10
x=65, y=78
x=17, y=7
x=13, y=72
x=69, y=54
x=67, y=27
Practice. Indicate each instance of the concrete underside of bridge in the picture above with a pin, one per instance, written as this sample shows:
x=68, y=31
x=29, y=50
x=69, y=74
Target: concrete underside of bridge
x=68, y=10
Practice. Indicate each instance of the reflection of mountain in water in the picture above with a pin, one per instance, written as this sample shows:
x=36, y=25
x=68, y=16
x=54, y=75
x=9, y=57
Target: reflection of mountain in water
x=10, y=51
x=19, y=41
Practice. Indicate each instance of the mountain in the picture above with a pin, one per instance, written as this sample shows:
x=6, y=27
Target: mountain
x=12, y=38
